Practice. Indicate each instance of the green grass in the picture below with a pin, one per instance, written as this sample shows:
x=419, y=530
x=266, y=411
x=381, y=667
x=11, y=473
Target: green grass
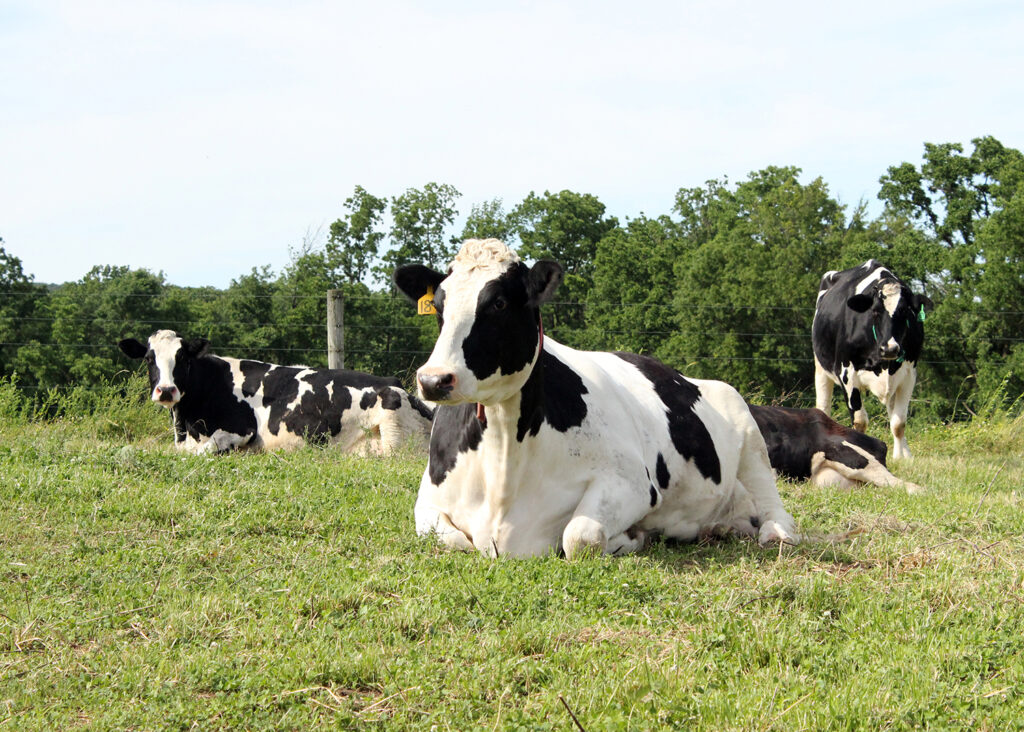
x=143, y=589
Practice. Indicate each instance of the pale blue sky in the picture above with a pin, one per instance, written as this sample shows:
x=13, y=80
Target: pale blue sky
x=205, y=138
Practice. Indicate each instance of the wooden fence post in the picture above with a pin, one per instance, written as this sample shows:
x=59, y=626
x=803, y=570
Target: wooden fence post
x=335, y=329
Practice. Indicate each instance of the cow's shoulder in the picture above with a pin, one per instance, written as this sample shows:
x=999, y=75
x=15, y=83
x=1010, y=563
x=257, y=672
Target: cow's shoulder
x=456, y=430
x=681, y=396
x=553, y=395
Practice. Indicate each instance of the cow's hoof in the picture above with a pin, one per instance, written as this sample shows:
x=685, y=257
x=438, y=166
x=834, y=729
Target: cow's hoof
x=772, y=532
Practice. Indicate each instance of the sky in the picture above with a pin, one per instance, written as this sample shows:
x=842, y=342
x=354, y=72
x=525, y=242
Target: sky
x=202, y=139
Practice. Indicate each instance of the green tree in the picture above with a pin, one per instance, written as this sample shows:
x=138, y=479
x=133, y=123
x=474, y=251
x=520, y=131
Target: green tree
x=631, y=305
x=566, y=227
x=488, y=220
x=91, y=315
x=744, y=291
x=354, y=241
x=21, y=310
x=420, y=219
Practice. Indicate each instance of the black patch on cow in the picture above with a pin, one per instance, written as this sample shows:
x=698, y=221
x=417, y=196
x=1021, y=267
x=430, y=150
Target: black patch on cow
x=390, y=399
x=368, y=399
x=654, y=495
x=855, y=401
x=661, y=470
x=280, y=389
x=689, y=434
x=553, y=394
x=505, y=331
x=208, y=402
x=424, y=411
x=456, y=430
x=252, y=376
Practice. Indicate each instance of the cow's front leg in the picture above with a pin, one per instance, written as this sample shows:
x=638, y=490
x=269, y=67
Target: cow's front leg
x=602, y=522
x=221, y=441
x=855, y=403
x=898, y=408
x=430, y=520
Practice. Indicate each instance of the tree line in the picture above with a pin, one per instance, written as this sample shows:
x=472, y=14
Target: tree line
x=722, y=286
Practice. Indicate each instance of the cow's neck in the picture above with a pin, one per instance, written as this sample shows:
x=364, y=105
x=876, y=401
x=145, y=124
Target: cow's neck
x=506, y=457
x=481, y=413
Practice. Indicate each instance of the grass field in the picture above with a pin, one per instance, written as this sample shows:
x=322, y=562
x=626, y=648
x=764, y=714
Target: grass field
x=143, y=589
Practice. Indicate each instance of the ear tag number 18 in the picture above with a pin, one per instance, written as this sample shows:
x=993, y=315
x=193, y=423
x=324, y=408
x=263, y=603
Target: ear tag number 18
x=425, y=305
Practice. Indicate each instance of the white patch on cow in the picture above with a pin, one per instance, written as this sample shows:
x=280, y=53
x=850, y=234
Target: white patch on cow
x=827, y=276
x=165, y=345
x=891, y=294
x=873, y=277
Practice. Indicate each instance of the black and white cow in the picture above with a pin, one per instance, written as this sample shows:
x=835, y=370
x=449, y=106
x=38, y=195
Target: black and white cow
x=807, y=444
x=221, y=403
x=538, y=447
x=868, y=332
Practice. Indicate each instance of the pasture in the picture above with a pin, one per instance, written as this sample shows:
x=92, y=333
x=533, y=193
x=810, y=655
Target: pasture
x=141, y=588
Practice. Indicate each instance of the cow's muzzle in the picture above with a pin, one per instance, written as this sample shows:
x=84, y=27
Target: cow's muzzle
x=889, y=351
x=435, y=384
x=166, y=395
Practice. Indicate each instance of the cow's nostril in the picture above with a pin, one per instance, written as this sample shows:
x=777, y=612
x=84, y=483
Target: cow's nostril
x=436, y=386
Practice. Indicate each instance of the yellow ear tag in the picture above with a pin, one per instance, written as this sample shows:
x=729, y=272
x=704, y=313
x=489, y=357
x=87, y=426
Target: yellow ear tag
x=425, y=305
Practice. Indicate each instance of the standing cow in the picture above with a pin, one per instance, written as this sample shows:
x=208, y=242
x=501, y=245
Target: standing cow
x=867, y=332
x=538, y=447
x=220, y=403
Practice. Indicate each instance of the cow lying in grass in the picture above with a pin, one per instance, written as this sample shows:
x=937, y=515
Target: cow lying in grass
x=221, y=403
x=807, y=444
x=537, y=447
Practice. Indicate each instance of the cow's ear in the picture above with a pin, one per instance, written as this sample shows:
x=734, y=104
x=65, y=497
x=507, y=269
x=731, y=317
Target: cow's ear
x=196, y=347
x=545, y=277
x=923, y=302
x=132, y=348
x=413, y=280
x=860, y=303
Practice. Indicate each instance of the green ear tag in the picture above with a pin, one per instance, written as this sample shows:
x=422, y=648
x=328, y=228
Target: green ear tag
x=920, y=314
x=425, y=305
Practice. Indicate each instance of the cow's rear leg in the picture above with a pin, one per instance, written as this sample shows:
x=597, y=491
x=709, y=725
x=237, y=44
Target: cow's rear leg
x=828, y=473
x=823, y=385
x=603, y=520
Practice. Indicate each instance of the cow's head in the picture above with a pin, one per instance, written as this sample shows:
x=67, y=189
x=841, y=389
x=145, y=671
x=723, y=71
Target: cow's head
x=169, y=358
x=887, y=314
x=488, y=309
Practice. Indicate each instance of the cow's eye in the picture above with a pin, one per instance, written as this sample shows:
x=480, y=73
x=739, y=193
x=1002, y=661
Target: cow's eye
x=499, y=303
